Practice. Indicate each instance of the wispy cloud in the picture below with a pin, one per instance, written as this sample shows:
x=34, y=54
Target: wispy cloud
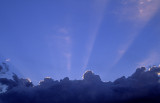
x=62, y=41
x=138, y=13
x=138, y=10
x=7, y=60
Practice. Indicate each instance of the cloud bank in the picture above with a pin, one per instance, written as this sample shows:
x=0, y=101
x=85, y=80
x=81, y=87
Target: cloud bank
x=141, y=87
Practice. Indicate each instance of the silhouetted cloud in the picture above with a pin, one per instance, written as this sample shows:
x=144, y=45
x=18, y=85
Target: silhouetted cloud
x=141, y=87
x=3, y=68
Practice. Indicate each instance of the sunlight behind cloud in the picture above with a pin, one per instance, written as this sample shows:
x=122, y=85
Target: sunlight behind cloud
x=153, y=58
x=65, y=38
x=97, y=16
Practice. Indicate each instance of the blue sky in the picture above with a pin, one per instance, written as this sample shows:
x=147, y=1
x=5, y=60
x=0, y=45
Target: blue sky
x=60, y=38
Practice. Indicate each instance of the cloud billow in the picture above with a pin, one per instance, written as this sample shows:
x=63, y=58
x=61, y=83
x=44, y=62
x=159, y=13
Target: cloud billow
x=3, y=68
x=141, y=87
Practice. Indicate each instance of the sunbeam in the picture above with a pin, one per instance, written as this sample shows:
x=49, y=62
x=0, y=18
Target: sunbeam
x=97, y=16
x=139, y=13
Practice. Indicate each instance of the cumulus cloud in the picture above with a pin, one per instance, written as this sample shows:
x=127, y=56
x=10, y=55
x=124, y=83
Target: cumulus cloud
x=141, y=87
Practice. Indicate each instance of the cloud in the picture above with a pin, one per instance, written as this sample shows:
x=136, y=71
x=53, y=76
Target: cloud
x=138, y=10
x=63, y=43
x=3, y=68
x=7, y=60
x=138, y=13
x=141, y=87
x=91, y=77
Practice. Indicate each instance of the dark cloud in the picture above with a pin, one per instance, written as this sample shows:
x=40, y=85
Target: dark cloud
x=141, y=87
x=89, y=76
x=3, y=68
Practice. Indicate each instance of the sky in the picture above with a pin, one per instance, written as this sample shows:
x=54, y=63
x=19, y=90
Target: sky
x=64, y=38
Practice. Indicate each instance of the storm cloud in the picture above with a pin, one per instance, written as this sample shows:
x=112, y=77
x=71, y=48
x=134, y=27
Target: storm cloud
x=141, y=87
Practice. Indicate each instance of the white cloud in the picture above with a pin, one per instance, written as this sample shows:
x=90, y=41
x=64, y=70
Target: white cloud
x=7, y=60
